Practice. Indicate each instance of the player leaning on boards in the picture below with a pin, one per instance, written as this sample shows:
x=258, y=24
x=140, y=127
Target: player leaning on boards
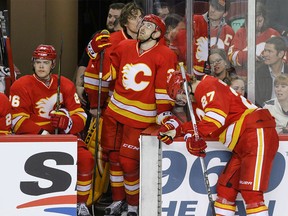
x=34, y=98
x=248, y=131
x=140, y=69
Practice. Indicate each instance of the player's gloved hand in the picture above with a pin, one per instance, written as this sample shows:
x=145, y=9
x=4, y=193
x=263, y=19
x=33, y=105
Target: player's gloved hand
x=99, y=42
x=195, y=147
x=4, y=71
x=169, y=129
x=61, y=119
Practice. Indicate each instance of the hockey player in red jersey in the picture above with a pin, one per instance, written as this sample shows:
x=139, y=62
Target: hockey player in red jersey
x=249, y=132
x=130, y=17
x=140, y=70
x=33, y=99
x=209, y=30
x=5, y=115
x=102, y=45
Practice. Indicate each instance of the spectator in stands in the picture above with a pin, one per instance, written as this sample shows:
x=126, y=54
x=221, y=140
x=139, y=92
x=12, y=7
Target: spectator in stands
x=161, y=9
x=174, y=22
x=272, y=66
x=278, y=106
x=220, y=66
x=278, y=16
x=112, y=24
x=238, y=49
x=210, y=30
x=238, y=84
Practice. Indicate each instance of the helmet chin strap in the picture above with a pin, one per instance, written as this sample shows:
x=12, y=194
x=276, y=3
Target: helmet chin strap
x=150, y=37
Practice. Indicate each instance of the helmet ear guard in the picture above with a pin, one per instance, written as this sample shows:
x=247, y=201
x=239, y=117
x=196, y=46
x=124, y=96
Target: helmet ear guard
x=46, y=52
x=175, y=84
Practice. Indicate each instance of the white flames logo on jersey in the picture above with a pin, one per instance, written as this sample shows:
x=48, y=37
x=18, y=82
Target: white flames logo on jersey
x=130, y=72
x=45, y=105
x=202, y=47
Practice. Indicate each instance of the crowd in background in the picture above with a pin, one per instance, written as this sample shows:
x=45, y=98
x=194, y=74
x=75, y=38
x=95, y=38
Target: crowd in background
x=219, y=49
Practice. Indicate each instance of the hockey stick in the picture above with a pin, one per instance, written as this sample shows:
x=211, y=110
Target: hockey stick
x=97, y=128
x=6, y=51
x=196, y=134
x=8, y=48
x=59, y=82
x=159, y=179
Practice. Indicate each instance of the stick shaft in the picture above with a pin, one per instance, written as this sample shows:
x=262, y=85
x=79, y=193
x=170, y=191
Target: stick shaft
x=196, y=134
x=97, y=126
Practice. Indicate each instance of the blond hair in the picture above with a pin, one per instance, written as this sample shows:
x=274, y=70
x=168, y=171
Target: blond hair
x=281, y=79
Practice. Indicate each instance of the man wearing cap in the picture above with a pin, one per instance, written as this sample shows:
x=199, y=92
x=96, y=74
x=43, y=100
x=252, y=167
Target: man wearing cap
x=210, y=30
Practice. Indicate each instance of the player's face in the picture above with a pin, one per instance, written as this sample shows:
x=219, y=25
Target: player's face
x=239, y=86
x=133, y=22
x=145, y=31
x=181, y=98
x=113, y=19
x=217, y=63
x=271, y=55
x=42, y=68
x=281, y=92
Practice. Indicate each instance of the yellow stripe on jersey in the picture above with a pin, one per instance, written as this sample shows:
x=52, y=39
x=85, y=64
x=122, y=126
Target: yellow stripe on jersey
x=259, y=159
x=256, y=210
x=42, y=123
x=128, y=114
x=218, y=111
x=21, y=117
x=96, y=76
x=231, y=135
x=212, y=120
x=165, y=102
x=93, y=87
x=93, y=75
x=198, y=68
x=161, y=91
x=112, y=72
x=140, y=105
x=5, y=132
x=215, y=116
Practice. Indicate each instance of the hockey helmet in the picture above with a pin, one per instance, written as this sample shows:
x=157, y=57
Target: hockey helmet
x=160, y=25
x=175, y=84
x=47, y=52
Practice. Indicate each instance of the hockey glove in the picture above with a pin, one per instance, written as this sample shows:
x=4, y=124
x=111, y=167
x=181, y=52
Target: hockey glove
x=169, y=130
x=61, y=119
x=195, y=147
x=99, y=42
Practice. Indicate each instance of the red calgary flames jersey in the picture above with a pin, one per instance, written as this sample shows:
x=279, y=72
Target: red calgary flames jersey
x=224, y=111
x=220, y=37
x=238, y=49
x=140, y=83
x=5, y=115
x=32, y=102
x=91, y=75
